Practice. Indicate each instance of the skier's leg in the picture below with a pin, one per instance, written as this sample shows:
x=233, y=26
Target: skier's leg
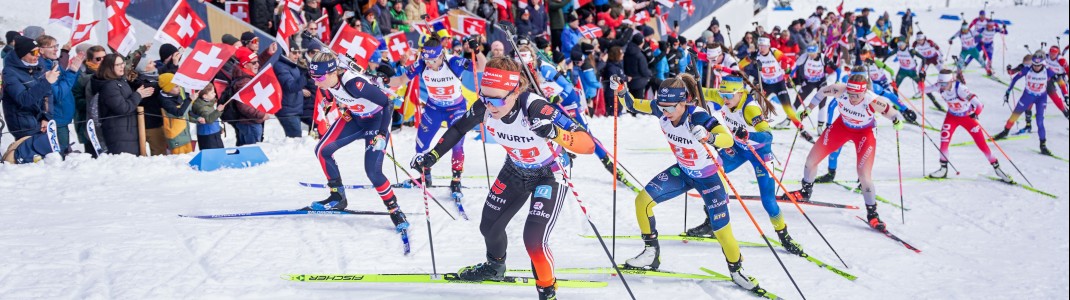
x=546, y=204
x=507, y=195
x=455, y=114
x=865, y=149
x=766, y=184
x=830, y=140
x=668, y=184
x=974, y=129
x=341, y=133
x=951, y=123
x=716, y=200
x=1040, y=105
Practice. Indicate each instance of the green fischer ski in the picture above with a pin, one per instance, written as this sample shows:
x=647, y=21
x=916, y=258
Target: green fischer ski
x=431, y=278
x=681, y=237
x=1028, y=188
x=762, y=292
x=879, y=198
x=905, y=179
x=819, y=263
x=1009, y=138
x=637, y=272
x=1052, y=156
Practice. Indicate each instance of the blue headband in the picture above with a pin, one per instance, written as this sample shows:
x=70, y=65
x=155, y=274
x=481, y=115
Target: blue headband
x=432, y=52
x=322, y=68
x=672, y=95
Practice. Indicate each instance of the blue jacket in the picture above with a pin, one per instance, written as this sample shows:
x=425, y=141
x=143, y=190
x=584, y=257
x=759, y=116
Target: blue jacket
x=293, y=82
x=590, y=82
x=569, y=38
x=62, y=96
x=25, y=88
x=461, y=68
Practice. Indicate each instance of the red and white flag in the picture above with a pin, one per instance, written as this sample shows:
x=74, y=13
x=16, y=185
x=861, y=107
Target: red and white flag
x=323, y=29
x=398, y=45
x=120, y=33
x=295, y=4
x=288, y=26
x=502, y=4
x=181, y=26
x=82, y=33
x=663, y=23
x=591, y=31
x=355, y=44
x=63, y=12
x=263, y=92
x=688, y=5
x=468, y=25
x=640, y=17
x=201, y=65
x=667, y=3
x=324, y=113
x=875, y=40
x=239, y=9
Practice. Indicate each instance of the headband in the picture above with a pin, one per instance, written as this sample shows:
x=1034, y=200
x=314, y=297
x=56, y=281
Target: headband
x=945, y=77
x=856, y=87
x=322, y=68
x=432, y=52
x=672, y=95
x=500, y=79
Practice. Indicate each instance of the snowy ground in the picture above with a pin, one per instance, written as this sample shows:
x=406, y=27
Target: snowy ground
x=108, y=228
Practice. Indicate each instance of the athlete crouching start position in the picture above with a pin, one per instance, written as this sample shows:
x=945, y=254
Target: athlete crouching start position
x=363, y=116
x=523, y=123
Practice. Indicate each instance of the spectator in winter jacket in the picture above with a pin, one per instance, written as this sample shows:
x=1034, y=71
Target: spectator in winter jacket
x=118, y=106
x=169, y=57
x=557, y=20
x=416, y=10
x=27, y=87
x=612, y=19
x=312, y=10
x=398, y=17
x=745, y=46
x=524, y=27
x=589, y=71
x=262, y=14
x=539, y=17
x=614, y=67
x=636, y=67
x=94, y=55
x=293, y=83
x=175, y=106
x=62, y=100
x=382, y=17
x=10, y=38
x=207, y=110
x=250, y=123
x=370, y=24
x=571, y=35
x=906, y=24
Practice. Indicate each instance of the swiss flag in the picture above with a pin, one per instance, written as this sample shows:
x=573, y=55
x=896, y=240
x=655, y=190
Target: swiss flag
x=202, y=64
x=288, y=26
x=502, y=5
x=120, y=33
x=875, y=40
x=640, y=17
x=82, y=32
x=323, y=29
x=181, y=26
x=469, y=25
x=238, y=9
x=688, y=5
x=398, y=45
x=355, y=44
x=263, y=92
x=324, y=113
x=591, y=31
x=63, y=12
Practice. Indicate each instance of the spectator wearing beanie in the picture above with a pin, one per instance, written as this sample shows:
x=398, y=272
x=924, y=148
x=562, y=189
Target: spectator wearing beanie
x=33, y=32
x=175, y=109
x=207, y=110
x=10, y=38
x=524, y=26
x=614, y=67
x=169, y=57
x=571, y=35
x=61, y=106
x=117, y=105
x=26, y=89
x=250, y=123
x=262, y=14
x=231, y=40
x=293, y=81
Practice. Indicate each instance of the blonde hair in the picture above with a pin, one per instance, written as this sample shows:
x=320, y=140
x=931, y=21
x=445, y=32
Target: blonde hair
x=324, y=56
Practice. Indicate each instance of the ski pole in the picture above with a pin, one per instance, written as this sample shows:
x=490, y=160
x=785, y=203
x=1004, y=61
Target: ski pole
x=430, y=236
x=796, y=202
x=616, y=115
x=724, y=177
x=729, y=27
x=899, y=165
x=482, y=127
x=925, y=134
x=564, y=175
x=396, y=178
x=1005, y=155
x=420, y=184
x=788, y=160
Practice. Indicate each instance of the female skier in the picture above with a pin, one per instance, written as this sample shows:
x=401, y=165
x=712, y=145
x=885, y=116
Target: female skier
x=963, y=109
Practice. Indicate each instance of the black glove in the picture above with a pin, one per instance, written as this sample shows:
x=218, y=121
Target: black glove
x=423, y=161
x=973, y=116
x=1007, y=97
x=742, y=134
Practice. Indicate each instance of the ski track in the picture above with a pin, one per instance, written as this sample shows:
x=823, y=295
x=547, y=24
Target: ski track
x=107, y=228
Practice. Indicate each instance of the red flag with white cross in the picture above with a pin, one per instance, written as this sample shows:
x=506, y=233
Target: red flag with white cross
x=63, y=12
x=468, y=26
x=82, y=32
x=355, y=44
x=288, y=26
x=263, y=92
x=238, y=9
x=200, y=66
x=181, y=26
x=398, y=45
x=120, y=33
x=323, y=29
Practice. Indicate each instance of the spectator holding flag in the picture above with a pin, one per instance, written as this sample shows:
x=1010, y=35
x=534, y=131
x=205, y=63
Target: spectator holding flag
x=250, y=123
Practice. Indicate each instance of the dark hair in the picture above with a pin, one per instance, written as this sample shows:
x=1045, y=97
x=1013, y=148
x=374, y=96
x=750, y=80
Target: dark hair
x=688, y=82
x=106, y=70
x=615, y=54
x=433, y=41
x=95, y=49
x=208, y=88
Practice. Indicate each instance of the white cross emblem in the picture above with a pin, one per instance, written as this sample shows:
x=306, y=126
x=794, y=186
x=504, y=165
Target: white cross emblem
x=398, y=46
x=261, y=92
x=185, y=26
x=239, y=12
x=320, y=30
x=72, y=6
x=208, y=60
x=353, y=48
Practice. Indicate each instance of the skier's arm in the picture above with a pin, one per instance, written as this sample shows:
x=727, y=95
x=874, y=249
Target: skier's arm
x=551, y=124
x=643, y=106
x=884, y=67
x=832, y=90
x=1015, y=80
x=721, y=137
x=455, y=133
x=885, y=108
x=975, y=101
x=753, y=114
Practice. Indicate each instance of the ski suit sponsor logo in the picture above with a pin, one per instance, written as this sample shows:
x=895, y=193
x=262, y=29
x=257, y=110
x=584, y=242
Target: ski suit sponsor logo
x=674, y=171
x=498, y=188
x=679, y=139
x=543, y=191
x=710, y=190
x=514, y=138
x=332, y=278
x=719, y=203
x=719, y=216
x=663, y=177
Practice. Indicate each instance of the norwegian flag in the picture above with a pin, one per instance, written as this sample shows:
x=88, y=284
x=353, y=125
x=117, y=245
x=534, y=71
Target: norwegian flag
x=324, y=113
x=398, y=45
x=874, y=40
x=181, y=26
x=354, y=44
x=82, y=32
x=468, y=25
x=640, y=17
x=591, y=31
x=120, y=33
x=239, y=9
x=688, y=5
x=288, y=26
x=198, y=69
x=323, y=29
x=263, y=92
x=63, y=12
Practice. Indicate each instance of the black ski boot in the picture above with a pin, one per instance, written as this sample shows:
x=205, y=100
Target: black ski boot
x=547, y=293
x=455, y=186
x=493, y=269
x=337, y=199
x=702, y=230
x=1044, y=148
x=1002, y=134
x=789, y=244
x=806, y=136
x=650, y=258
x=804, y=193
x=910, y=116
x=396, y=216
x=828, y=177
x=873, y=219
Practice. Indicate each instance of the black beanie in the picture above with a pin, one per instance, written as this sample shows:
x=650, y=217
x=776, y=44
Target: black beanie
x=247, y=37
x=229, y=39
x=166, y=50
x=11, y=35
x=23, y=46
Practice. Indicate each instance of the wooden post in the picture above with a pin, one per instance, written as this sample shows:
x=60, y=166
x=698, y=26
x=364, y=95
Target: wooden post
x=141, y=130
